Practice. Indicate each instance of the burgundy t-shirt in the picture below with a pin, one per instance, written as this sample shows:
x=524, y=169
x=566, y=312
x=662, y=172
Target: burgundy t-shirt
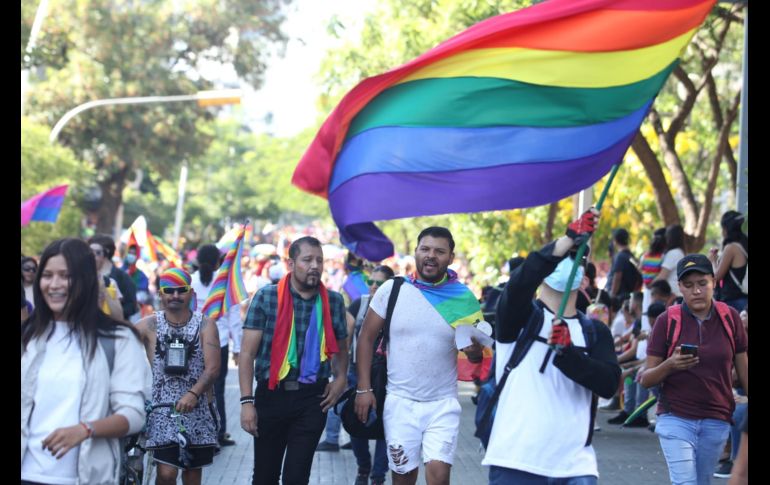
x=703, y=391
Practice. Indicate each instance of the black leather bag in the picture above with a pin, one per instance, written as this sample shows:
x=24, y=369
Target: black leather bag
x=379, y=380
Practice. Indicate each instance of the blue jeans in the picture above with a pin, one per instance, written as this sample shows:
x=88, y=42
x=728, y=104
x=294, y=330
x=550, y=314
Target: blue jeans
x=364, y=459
x=333, y=424
x=634, y=394
x=507, y=476
x=691, y=447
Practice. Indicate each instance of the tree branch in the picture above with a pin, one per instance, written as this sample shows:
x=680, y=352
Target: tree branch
x=664, y=200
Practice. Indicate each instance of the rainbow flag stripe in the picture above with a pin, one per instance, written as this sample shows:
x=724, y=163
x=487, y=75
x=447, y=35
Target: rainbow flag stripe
x=519, y=110
x=228, y=288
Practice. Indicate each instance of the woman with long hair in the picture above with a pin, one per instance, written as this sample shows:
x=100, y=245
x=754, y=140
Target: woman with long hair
x=674, y=252
x=84, y=375
x=731, y=266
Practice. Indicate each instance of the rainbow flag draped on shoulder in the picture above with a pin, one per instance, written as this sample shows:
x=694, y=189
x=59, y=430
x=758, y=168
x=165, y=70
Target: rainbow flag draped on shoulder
x=454, y=301
x=228, y=288
x=517, y=111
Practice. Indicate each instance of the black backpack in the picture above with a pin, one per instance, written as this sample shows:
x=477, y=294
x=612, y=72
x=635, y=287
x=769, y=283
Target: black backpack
x=490, y=390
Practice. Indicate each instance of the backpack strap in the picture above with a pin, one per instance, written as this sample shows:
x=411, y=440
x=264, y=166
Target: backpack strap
x=673, y=328
x=108, y=346
x=725, y=316
x=397, y=282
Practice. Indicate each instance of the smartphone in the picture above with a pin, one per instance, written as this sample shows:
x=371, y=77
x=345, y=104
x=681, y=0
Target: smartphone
x=688, y=349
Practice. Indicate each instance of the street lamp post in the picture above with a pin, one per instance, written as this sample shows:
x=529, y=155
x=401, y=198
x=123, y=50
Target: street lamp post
x=204, y=98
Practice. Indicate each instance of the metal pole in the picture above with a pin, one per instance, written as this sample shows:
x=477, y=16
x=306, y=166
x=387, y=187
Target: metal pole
x=743, y=160
x=179, y=206
x=203, y=98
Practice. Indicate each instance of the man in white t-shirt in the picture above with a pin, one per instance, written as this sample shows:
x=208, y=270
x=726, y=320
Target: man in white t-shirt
x=544, y=421
x=421, y=410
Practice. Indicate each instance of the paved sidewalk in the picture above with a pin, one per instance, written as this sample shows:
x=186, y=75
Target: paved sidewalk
x=626, y=456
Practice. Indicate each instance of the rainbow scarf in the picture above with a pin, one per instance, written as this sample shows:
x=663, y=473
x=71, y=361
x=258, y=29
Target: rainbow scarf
x=318, y=348
x=176, y=277
x=451, y=299
x=519, y=110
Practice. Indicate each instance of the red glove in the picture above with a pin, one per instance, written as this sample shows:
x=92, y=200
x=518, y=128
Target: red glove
x=560, y=336
x=581, y=228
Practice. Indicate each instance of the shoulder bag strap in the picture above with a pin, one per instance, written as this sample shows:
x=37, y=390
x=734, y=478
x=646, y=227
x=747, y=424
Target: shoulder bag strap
x=397, y=282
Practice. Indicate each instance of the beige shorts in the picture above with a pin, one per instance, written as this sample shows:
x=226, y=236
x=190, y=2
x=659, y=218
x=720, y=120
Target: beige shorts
x=412, y=426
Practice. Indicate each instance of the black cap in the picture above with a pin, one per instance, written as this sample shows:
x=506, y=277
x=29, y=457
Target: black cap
x=693, y=262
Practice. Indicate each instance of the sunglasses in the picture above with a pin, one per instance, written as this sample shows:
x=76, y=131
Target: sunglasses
x=170, y=290
x=28, y=269
x=376, y=283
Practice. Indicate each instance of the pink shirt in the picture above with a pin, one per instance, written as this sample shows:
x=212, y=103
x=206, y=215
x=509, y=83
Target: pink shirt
x=703, y=391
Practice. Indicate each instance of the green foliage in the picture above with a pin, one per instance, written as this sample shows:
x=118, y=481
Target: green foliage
x=44, y=166
x=397, y=32
x=125, y=49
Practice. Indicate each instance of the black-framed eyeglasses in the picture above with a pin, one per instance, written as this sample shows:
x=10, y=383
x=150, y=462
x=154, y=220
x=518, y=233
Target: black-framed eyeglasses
x=376, y=283
x=28, y=269
x=170, y=290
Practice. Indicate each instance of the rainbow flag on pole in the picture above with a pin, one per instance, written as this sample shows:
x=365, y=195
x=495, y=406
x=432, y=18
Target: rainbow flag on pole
x=517, y=111
x=228, y=288
x=43, y=207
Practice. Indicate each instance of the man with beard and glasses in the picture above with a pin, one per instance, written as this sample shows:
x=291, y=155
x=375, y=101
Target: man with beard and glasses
x=183, y=348
x=296, y=331
x=421, y=410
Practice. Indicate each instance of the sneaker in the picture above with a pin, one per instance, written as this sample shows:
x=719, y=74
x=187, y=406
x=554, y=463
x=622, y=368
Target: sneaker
x=724, y=469
x=378, y=481
x=226, y=441
x=362, y=478
x=651, y=427
x=347, y=446
x=640, y=422
x=619, y=419
x=326, y=446
x=613, y=405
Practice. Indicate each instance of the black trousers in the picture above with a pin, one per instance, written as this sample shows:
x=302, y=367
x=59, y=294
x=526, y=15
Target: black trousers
x=219, y=390
x=290, y=423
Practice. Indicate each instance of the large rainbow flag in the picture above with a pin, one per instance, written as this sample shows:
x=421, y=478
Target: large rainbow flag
x=517, y=111
x=228, y=288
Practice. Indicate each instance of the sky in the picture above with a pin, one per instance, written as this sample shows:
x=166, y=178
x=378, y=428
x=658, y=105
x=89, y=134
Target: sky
x=290, y=90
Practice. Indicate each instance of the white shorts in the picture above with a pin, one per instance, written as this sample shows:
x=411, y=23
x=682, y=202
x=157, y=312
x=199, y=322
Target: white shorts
x=410, y=426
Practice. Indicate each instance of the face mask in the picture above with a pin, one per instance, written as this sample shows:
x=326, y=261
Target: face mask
x=558, y=279
x=130, y=258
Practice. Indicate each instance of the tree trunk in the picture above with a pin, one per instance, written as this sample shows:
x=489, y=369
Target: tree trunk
x=112, y=197
x=664, y=200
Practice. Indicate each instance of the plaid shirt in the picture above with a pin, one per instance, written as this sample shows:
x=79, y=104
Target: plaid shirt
x=262, y=314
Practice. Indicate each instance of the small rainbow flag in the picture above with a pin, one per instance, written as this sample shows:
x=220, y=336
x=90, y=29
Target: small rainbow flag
x=43, y=207
x=228, y=288
x=519, y=110
x=160, y=247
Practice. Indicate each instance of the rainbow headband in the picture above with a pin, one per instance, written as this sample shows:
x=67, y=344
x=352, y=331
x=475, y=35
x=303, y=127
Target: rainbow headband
x=176, y=277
